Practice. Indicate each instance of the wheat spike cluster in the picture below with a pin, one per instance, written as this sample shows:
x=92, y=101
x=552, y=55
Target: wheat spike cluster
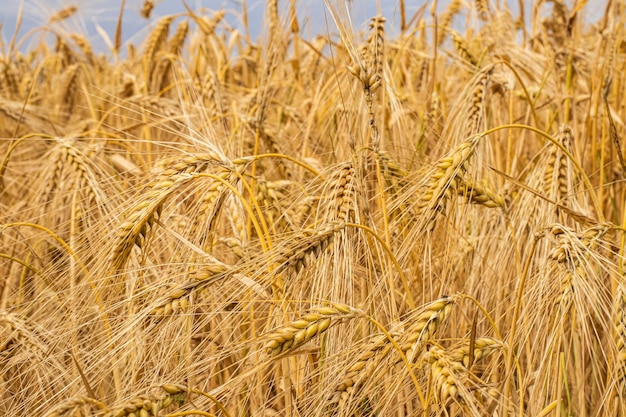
x=410, y=214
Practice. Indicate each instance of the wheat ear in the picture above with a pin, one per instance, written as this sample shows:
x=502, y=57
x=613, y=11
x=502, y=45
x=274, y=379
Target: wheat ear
x=63, y=14
x=462, y=49
x=301, y=249
x=480, y=193
x=146, y=9
x=342, y=192
x=68, y=407
x=619, y=329
x=444, y=181
x=423, y=327
x=572, y=254
x=141, y=217
x=298, y=332
x=420, y=328
x=16, y=332
x=177, y=298
x=152, y=404
x=364, y=366
x=556, y=177
x=449, y=366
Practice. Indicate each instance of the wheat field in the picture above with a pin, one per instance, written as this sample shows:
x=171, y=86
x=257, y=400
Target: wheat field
x=424, y=221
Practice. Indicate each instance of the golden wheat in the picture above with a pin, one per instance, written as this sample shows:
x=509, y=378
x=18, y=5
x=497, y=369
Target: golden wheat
x=271, y=218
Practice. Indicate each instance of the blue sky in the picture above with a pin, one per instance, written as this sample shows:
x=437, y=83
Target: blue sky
x=103, y=13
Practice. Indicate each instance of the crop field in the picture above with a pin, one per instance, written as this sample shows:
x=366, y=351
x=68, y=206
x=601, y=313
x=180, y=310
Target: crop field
x=411, y=215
